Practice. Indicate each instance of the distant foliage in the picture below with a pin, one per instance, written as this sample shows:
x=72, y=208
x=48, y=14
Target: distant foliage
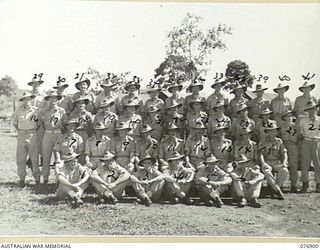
x=8, y=86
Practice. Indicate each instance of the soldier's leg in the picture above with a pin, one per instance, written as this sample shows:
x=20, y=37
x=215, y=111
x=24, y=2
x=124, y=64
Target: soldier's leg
x=64, y=191
x=271, y=180
x=34, y=156
x=47, y=145
x=252, y=191
x=40, y=134
x=293, y=163
x=185, y=187
x=238, y=189
x=316, y=161
x=155, y=190
x=306, y=152
x=282, y=174
x=21, y=157
x=119, y=189
x=175, y=190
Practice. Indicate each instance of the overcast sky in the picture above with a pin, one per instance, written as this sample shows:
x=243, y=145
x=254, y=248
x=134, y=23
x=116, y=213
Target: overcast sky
x=66, y=37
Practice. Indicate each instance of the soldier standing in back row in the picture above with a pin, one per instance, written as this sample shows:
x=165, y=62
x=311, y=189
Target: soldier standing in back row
x=195, y=87
x=174, y=89
x=51, y=119
x=258, y=104
x=26, y=122
x=83, y=93
x=216, y=97
x=65, y=100
x=237, y=101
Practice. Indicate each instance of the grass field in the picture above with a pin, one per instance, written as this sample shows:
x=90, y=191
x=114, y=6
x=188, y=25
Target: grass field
x=32, y=211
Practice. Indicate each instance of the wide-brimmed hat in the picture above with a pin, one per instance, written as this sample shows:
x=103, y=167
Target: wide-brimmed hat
x=271, y=126
x=132, y=83
x=242, y=159
x=307, y=85
x=172, y=126
x=259, y=88
x=69, y=157
x=310, y=105
x=175, y=156
x=197, y=100
x=99, y=126
x=122, y=126
x=52, y=93
x=211, y=159
x=175, y=85
x=146, y=128
x=153, y=109
x=219, y=104
x=219, y=128
x=147, y=157
x=242, y=107
x=87, y=81
x=106, y=103
x=173, y=104
x=79, y=99
x=266, y=111
x=245, y=131
x=281, y=86
x=34, y=81
x=26, y=95
x=131, y=103
x=219, y=81
x=60, y=85
x=196, y=83
x=288, y=113
x=237, y=87
x=154, y=88
x=198, y=125
x=72, y=121
x=107, y=156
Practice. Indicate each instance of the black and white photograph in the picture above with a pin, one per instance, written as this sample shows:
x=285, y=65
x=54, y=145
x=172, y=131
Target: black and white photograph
x=159, y=119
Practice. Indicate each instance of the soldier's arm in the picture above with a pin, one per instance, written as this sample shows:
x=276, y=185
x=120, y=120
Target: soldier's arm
x=62, y=179
x=124, y=176
x=284, y=154
x=160, y=177
x=226, y=180
x=85, y=178
x=191, y=175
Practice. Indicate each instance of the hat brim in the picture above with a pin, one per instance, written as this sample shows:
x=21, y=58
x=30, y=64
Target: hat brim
x=77, y=124
x=259, y=90
x=87, y=81
x=31, y=83
x=286, y=87
x=312, y=86
x=246, y=132
x=177, y=86
x=219, y=129
x=28, y=96
x=64, y=86
x=191, y=103
x=107, y=104
x=138, y=86
x=118, y=129
x=85, y=100
x=291, y=113
x=198, y=128
x=175, y=158
x=238, y=111
x=107, y=159
x=216, y=107
x=311, y=107
x=71, y=158
x=243, y=87
x=215, y=161
x=59, y=97
x=196, y=85
x=153, y=111
x=243, y=161
x=269, y=129
x=148, y=158
x=216, y=83
x=174, y=106
x=266, y=113
x=146, y=131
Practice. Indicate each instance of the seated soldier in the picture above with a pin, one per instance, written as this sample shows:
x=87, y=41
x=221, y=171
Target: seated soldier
x=222, y=148
x=110, y=179
x=197, y=146
x=246, y=181
x=150, y=178
x=178, y=179
x=69, y=142
x=212, y=181
x=72, y=178
x=273, y=158
x=96, y=146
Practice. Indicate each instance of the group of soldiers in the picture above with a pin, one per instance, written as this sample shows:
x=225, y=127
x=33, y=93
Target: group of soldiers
x=160, y=149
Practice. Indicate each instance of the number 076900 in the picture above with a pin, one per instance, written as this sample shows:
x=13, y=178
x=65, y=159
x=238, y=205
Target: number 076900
x=309, y=246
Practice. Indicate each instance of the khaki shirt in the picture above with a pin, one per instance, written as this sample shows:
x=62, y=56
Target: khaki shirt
x=272, y=150
x=280, y=106
x=222, y=150
x=168, y=147
x=179, y=172
x=234, y=106
x=84, y=118
x=150, y=147
x=249, y=149
x=110, y=173
x=123, y=147
x=69, y=144
x=241, y=124
x=257, y=105
x=301, y=103
x=89, y=95
x=52, y=119
x=310, y=129
x=26, y=119
x=199, y=148
x=147, y=174
x=127, y=98
x=134, y=122
x=213, y=99
x=212, y=174
x=260, y=128
x=73, y=176
x=97, y=148
x=109, y=120
x=289, y=133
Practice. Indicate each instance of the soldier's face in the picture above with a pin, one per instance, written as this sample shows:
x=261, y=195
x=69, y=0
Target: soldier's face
x=131, y=109
x=195, y=90
x=272, y=133
x=196, y=106
x=153, y=94
x=60, y=91
x=53, y=100
x=71, y=127
x=27, y=101
x=288, y=118
x=306, y=90
x=265, y=117
x=72, y=164
x=211, y=165
x=220, y=110
x=132, y=89
x=106, y=108
x=260, y=93
x=173, y=110
x=218, y=87
x=174, y=90
x=172, y=133
x=81, y=105
x=83, y=86
x=122, y=133
x=35, y=85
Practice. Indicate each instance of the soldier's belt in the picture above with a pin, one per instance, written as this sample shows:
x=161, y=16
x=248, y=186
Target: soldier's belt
x=312, y=139
x=26, y=130
x=289, y=143
x=53, y=131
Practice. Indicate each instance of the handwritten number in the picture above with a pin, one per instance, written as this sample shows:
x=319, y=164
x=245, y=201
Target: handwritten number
x=73, y=141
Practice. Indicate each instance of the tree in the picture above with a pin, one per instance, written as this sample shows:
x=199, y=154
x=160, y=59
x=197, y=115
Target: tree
x=8, y=86
x=238, y=72
x=189, y=49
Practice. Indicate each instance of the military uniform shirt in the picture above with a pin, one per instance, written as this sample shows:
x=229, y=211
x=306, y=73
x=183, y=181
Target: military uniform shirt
x=289, y=133
x=249, y=149
x=215, y=174
x=52, y=119
x=134, y=122
x=97, y=148
x=123, y=147
x=168, y=147
x=69, y=144
x=73, y=176
x=150, y=147
x=234, y=105
x=26, y=119
x=301, y=103
x=310, y=129
x=272, y=150
x=197, y=147
x=109, y=120
x=257, y=105
x=214, y=98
